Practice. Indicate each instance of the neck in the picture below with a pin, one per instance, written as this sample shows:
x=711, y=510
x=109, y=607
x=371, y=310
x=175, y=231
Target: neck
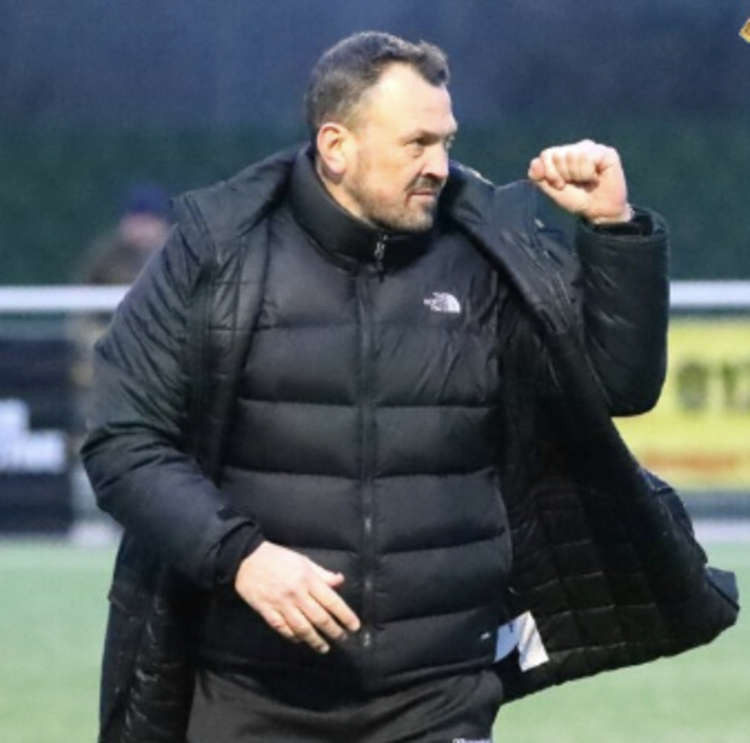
x=333, y=184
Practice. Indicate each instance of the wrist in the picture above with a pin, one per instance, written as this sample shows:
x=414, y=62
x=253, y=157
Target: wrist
x=626, y=215
x=233, y=551
x=640, y=225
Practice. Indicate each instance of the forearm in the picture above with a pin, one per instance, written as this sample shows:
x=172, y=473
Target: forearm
x=136, y=453
x=159, y=494
x=625, y=295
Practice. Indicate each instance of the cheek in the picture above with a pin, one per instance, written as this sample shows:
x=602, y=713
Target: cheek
x=401, y=179
x=389, y=184
x=389, y=179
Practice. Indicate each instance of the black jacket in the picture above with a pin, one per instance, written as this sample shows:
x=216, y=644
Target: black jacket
x=603, y=556
x=365, y=434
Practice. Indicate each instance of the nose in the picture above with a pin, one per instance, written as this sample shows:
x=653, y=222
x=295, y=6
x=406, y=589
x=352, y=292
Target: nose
x=437, y=163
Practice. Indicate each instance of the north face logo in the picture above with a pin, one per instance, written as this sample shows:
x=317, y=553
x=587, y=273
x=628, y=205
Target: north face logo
x=443, y=302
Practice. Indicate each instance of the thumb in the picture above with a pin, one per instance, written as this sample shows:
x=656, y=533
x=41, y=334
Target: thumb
x=536, y=169
x=545, y=186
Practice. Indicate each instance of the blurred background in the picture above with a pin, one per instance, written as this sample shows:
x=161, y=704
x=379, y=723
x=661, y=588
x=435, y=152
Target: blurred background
x=108, y=108
x=97, y=94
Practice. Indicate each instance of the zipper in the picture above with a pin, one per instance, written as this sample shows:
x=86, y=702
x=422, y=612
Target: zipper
x=379, y=254
x=367, y=416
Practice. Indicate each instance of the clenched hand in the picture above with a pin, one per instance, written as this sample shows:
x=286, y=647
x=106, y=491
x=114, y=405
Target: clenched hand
x=584, y=178
x=295, y=596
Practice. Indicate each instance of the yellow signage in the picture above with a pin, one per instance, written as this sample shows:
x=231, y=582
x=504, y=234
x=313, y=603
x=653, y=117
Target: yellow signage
x=698, y=436
x=745, y=31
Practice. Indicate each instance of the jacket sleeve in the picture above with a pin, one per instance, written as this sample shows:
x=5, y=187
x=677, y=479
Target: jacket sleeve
x=623, y=288
x=136, y=452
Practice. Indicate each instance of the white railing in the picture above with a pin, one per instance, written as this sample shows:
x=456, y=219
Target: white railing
x=685, y=295
x=47, y=299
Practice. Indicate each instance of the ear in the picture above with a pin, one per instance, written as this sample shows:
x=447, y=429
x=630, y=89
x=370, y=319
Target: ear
x=334, y=146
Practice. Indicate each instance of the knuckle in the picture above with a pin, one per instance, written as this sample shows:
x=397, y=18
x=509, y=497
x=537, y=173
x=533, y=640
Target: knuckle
x=298, y=590
x=334, y=603
x=330, y=627
x=307, y=637
x=287, y=599
x=307, y=633
x=315, y=615
x=297, y=624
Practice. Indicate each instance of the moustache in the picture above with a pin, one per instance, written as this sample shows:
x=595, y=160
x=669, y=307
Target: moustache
x=428, y=185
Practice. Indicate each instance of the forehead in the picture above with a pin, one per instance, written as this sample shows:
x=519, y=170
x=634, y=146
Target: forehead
x=402, y=99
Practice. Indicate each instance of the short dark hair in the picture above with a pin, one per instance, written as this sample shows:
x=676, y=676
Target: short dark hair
x=346, y=70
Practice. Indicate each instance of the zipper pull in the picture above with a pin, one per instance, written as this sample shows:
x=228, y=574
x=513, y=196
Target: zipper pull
x=379, y=254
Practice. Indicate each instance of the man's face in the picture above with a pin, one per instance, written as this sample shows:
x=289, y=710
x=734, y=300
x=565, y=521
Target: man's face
x=404, y=128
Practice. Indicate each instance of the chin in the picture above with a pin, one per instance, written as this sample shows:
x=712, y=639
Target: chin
x=423, y=223
x=412, y=223
x=423, y=226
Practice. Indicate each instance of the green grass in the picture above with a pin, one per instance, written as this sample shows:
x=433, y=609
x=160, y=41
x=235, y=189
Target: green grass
x=51, y=629
x=52, y=622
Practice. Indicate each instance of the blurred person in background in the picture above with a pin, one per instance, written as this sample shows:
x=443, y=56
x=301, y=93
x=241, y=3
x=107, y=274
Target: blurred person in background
x=355, y=420
x=115, y=257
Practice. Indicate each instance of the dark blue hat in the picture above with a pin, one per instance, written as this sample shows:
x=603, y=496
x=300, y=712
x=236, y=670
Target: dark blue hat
x=146, y=198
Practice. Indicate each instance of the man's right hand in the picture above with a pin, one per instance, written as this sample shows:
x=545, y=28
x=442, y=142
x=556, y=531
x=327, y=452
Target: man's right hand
x=295, y=596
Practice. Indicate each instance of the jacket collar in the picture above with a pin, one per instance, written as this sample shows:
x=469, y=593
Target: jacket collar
x=348, y=241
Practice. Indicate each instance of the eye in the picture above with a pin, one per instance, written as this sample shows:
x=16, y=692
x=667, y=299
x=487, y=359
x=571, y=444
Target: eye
x=416, y=146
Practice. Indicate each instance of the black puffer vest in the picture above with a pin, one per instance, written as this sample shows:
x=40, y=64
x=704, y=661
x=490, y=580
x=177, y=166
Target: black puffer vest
x=366, y=435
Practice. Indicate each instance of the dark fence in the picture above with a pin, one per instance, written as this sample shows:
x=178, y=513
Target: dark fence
x=61, y=187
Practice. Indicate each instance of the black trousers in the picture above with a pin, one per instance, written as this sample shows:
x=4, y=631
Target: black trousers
x=232, y=708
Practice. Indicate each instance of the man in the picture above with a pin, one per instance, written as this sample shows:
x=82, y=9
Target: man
x=361, y=403
x=118, y=255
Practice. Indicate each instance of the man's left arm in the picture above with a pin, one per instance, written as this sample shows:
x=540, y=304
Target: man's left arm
x=624, y=284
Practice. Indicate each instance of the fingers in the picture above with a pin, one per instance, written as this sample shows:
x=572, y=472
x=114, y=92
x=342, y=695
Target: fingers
x=303, y=620
x=547, y=187
x=276, y=621
x=304, y=630
x=295, y=596
x=337, y=608
x=313, y=617
x=575, y=163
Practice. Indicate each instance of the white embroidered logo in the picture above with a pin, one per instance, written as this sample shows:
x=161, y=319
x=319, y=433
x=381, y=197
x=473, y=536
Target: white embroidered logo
x=443, y=302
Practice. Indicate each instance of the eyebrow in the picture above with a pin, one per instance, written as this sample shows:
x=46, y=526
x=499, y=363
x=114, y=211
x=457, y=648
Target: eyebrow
x=424, y=133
